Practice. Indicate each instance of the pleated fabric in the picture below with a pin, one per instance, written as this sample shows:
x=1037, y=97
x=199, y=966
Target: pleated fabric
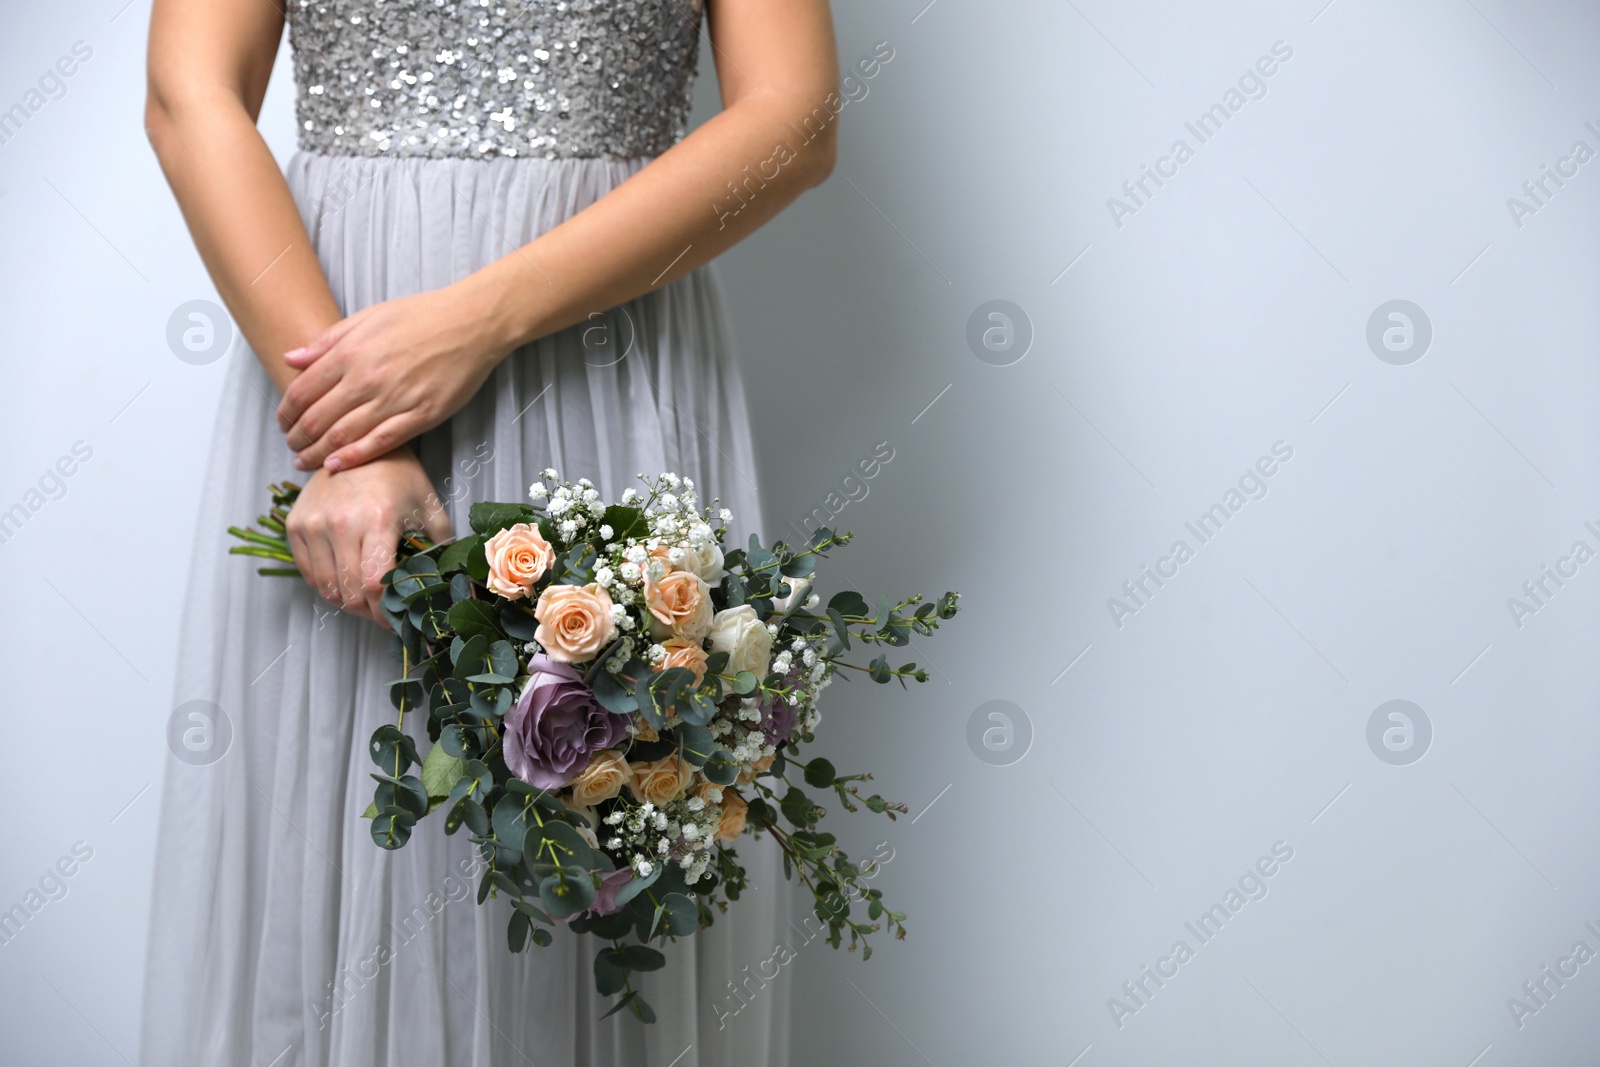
x=280, y=935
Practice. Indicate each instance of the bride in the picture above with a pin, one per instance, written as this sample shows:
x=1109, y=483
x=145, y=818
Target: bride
x=486, y=259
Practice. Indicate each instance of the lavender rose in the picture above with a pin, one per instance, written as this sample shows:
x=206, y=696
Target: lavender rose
x=556, y=724
x=778, y=719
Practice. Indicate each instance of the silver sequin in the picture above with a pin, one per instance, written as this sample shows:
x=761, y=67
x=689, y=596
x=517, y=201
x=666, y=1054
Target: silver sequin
x=475, y=78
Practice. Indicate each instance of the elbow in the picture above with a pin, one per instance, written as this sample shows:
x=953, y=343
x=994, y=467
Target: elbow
x=159, y=127
x=157, y=124
x=808, y=130
x=181, y=110
x=819, y=149
x=824, y=154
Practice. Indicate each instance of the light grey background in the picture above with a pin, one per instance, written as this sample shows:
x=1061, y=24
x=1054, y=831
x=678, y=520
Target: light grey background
x=1168, y=754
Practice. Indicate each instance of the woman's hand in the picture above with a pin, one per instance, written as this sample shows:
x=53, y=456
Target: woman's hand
x=345, y=526
x=377, y=379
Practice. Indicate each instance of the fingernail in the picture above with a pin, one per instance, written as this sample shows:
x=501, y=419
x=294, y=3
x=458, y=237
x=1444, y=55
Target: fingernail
x=300, y=464
x=332, y=463
x=292, y=353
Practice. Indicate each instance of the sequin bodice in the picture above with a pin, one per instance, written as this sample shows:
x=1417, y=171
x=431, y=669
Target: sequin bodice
x=475, y=78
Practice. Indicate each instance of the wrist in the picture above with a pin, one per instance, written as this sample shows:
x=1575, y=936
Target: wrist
x=504, y=311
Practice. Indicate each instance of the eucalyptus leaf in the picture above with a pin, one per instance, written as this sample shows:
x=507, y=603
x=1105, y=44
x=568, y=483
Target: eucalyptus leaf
x=646, y=701
x=677, y=915
x=635, y=885
x=391, y=827
x=503, y=658
x=640, y=958
x=492, y=703
x=820, y=773
x=623, y=1003
x=470, y=812
x=392, y=750
x=721, y=768
x=517, y=932
x=698, y=709
x=849, y=602
x=613, y=695
x=609, y=978
x=566, y=893
x=697, y=744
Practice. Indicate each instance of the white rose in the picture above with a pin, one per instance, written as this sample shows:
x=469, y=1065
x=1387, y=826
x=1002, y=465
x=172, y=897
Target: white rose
x=798, y=587
x=704, y=560
x=743, y=636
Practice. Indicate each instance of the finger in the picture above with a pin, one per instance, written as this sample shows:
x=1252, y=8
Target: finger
x=322, y=575
x=300, y=549
x=428, y=518
x=308, y=547
x=378, y=555
x=303, y=357
x=382, y=439
x=308, y=388
x=436, y=526
x=346, y=540
x=341, y=418
x=353, y=417
x=343, y=397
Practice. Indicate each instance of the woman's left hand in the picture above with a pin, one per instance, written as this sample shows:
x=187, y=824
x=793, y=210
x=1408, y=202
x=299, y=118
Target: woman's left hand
x=377, y=379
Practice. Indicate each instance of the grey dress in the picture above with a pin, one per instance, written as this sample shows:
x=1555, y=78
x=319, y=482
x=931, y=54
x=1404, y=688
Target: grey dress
x=435, y=138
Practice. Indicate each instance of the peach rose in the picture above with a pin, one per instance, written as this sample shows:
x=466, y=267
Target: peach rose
x=749, y=775
x=735, y=811
x=643, y=730
x=518, y=557
x=603, y=779
x=680, y=604
x=684, y=653
x=574, y=622
x=660, y=781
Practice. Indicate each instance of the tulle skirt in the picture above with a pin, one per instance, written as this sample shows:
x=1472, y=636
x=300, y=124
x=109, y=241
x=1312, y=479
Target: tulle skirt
x=280, y=934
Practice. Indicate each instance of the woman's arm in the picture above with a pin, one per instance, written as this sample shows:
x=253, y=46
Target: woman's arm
x=209, y=63
x=386, y=374
x=208, y=68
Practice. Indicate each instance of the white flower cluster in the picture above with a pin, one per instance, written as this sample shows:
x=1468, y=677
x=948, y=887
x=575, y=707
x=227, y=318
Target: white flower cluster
x=737, y=725
x=677, y=527
x=681, y=831
x=675, y=520
x=747, y=744
x=573, y=506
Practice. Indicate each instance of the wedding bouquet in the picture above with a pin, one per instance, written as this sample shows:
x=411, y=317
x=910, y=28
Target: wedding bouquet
x=613, y=697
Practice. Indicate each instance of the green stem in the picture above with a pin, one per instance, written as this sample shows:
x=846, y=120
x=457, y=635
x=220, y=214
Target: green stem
x=262, y=551
x=255, y=537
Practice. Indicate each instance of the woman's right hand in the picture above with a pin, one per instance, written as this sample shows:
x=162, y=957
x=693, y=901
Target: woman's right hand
x=345, y=526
